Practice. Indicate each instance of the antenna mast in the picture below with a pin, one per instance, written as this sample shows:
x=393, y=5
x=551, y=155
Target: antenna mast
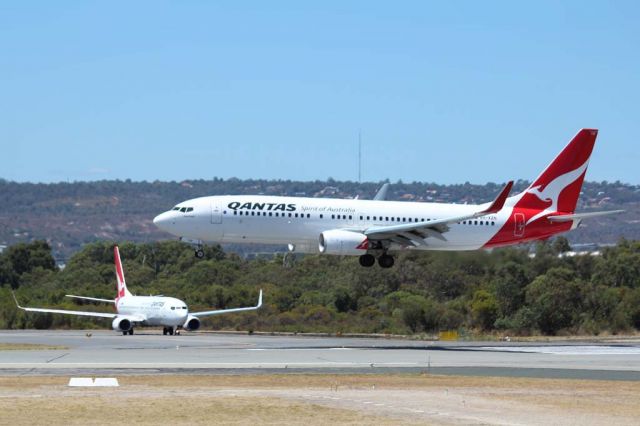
x=359, y=156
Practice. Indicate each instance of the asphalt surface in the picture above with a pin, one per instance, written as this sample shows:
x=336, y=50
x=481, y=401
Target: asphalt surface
x=209, y=353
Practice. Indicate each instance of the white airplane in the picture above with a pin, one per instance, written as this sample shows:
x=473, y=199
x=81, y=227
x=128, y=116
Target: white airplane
x=169, y=312
x=374, y=228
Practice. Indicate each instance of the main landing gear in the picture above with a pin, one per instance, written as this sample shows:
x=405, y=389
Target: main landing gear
x=129, y=332
x=167, y=330
x=384, y=260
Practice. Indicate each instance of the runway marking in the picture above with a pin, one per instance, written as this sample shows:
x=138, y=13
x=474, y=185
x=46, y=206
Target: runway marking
x=566, y=350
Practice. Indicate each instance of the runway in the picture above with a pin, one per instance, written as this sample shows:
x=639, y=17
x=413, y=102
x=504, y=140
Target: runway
x=212, y=353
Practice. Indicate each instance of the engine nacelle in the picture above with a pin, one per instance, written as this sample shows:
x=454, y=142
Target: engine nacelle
x=192, y=323
x=121, y=324
x=338, y=241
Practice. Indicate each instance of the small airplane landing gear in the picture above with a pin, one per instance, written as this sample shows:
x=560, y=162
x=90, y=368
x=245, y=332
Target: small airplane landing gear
x=199, y=253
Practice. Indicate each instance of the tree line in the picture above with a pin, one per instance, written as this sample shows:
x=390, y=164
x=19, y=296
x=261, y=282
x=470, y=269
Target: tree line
x=503, y=291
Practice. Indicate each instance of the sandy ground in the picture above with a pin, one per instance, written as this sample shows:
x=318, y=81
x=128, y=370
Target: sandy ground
x=318, y=399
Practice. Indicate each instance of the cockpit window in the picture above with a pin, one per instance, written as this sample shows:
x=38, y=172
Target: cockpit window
x=184, y=209
x=176, y=208
x=189, y=209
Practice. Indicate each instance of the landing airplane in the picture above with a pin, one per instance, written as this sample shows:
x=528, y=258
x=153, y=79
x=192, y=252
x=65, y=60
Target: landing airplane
x=375, y=228
x=131, y=310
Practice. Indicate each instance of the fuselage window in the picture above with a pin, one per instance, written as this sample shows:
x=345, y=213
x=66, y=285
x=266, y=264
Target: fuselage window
x=475, y=222
x=253, y=213
x=387, y=218
x=235, y=213
x=270, y=214
x=333, y=216
x=481, y=223
x=392, y=219
x=368, y=217
x=296, y=214
x=349, y=217
x=321, y=216
x=493, y=223
x=289, y=214
x=361, y=217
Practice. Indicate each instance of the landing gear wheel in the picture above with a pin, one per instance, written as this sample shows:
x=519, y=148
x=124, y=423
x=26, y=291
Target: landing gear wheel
x=124, y=333
x=199, y=253
x=164, y=331
x=385, y=261
x=367, y=260
x=170, y=330
x=131, y=332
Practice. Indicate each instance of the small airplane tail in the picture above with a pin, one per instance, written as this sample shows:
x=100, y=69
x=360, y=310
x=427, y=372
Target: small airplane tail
x=558, y=186
x=122, y=285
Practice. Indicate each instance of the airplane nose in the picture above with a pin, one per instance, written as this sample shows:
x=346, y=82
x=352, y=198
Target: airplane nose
x=163, y=220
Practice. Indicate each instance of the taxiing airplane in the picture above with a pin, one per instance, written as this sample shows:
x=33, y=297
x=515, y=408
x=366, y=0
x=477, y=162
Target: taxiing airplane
x=375, y=228
x=169, y=312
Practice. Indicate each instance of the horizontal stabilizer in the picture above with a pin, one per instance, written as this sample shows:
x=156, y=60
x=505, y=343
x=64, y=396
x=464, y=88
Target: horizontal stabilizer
x=578, y=216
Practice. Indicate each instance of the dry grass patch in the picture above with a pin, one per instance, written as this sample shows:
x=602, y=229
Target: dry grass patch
x=30, y=347
x=93, y=410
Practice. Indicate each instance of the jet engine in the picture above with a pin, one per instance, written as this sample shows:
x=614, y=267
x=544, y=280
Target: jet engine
x=192, y=323
x=121, y=324
x=341, y=242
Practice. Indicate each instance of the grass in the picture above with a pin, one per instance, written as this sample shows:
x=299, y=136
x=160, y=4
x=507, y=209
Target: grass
x=30, y=347
x=275, y=399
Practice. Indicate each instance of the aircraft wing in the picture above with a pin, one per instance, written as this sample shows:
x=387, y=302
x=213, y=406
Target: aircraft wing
x=570, y=217
x=64, y=311
x=229, y=311
x=414, y=233
x=94, y=299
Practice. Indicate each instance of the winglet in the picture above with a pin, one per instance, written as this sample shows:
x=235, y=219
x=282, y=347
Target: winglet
x=259, y=299
x=498, y=203
x=16, y=300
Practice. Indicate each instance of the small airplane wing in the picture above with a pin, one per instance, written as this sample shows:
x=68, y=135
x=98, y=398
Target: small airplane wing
x=229, y=311
x=64, y=311
x=381, y=195
x=94, y=299
x=415, y=233
x=578, y=216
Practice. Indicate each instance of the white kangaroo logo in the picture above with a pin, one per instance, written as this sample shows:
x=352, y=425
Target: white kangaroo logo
x=552, y=191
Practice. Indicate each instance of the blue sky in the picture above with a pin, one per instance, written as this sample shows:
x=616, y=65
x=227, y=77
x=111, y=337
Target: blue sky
x=443, y=92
